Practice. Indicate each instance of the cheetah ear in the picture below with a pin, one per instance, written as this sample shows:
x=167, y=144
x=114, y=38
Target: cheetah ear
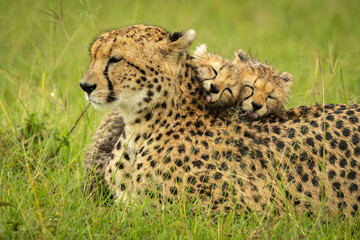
x=286, y=78
x=180, y=43
x=240, y=56
x=201, y=51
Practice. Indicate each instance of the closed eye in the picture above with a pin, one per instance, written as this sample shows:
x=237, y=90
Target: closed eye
x=115, y=60
x=271, y=97
x=215, y=72
x=252, y=92
x=111, y=61
x=249, y=87
x=228, y=89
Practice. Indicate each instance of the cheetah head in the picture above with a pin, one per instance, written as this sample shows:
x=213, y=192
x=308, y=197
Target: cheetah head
x=218, y=76
x=129, y=66
x=263, y=90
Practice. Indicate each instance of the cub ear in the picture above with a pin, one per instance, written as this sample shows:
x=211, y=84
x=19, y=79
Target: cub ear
x=286, y=78
x=181, y=42
x=201, y=51
x=240, y=56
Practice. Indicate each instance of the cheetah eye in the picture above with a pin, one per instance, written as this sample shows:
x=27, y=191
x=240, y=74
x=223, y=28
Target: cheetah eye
x=249, y=87
x=115, y=60
x=252, y=92
x=215, y=72
x=271, y=97
x=229, y=90
x=111, y=61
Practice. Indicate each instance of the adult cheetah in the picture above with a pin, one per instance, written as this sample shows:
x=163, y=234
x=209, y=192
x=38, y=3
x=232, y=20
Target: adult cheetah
x=173, y=145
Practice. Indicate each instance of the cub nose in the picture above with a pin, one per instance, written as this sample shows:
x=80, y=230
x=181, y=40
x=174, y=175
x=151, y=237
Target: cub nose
x=87, y=87
x=256, y=106
x=214, y=89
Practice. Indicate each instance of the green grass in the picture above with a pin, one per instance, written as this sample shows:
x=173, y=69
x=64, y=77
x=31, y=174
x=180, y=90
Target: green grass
x=41, y=64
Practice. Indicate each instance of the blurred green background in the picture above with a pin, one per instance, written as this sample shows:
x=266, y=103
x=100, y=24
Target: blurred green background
x=39, y=58
x=45, y=53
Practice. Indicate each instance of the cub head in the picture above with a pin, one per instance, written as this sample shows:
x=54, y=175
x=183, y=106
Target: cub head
x=129, y=66
x=264, y=90
x=218, y=77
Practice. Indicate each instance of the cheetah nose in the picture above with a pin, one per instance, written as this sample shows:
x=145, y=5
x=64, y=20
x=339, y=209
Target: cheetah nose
x=87, y=87
x=256, y=106
x=214, y=89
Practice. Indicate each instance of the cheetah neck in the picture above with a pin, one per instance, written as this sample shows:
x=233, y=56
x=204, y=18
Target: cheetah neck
x=185, y=96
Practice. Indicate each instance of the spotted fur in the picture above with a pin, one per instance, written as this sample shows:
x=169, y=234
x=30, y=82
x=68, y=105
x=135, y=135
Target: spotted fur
x=173, y=145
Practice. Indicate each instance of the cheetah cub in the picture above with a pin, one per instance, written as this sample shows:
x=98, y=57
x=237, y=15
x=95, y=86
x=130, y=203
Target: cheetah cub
x=257, y=88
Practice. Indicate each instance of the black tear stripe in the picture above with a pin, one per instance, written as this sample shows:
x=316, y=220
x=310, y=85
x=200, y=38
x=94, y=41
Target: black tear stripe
x=111, y=96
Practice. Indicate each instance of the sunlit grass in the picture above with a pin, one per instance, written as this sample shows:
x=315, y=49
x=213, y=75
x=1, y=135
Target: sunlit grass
x=42, y=146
